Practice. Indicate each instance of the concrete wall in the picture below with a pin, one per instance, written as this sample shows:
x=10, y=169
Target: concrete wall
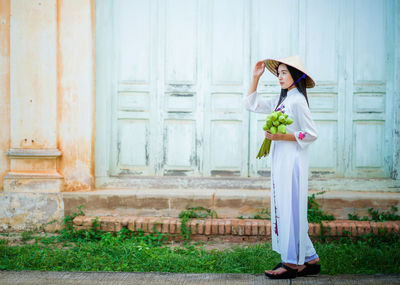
x=46, y=108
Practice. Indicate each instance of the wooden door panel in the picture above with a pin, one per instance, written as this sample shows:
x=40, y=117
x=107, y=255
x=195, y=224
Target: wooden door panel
x=181, y=41
x=368, y=145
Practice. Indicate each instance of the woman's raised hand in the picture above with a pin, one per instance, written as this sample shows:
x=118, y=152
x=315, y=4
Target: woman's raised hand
x=259, y=69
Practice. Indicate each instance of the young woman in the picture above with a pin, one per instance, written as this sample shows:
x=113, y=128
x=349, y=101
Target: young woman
x=289, y=169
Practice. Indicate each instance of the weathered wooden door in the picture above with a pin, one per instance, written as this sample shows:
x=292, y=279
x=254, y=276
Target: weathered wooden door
x=171, y=75
x=348, y=48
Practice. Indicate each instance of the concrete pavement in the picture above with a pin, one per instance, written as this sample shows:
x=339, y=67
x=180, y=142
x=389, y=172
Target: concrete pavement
x=152, y=278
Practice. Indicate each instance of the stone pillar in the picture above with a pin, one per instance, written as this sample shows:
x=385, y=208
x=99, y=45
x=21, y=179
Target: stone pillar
x=33, y=93
x=4, y=87
x=76, y=93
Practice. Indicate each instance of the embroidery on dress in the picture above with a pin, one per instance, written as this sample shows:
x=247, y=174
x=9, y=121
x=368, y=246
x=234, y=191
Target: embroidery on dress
x=276, y=216
x=301, y=135
x=281, y=108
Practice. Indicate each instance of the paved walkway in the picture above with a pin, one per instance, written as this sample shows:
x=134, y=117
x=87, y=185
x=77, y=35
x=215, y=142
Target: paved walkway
x=99, y=278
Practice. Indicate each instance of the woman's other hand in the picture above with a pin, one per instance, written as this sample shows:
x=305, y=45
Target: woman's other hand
x=273, y=137
x=279, y=136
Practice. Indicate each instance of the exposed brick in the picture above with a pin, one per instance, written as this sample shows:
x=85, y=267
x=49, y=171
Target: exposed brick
x=362, y=227
x=261, y=228
x=159, y=225
x=207, y=227
x=151, y=224
x=214, y=226
x=221, y=227
x=389, y=225
x=193, y=226
x=200, y=227
x=172, y=226
x=78, y=228
x=317, y=228
x=351, y=228
x=107, y=225
x=268, y=228
x=140, y=224
x=117, y=226
x=165, y=226
x=228, y=227
x=347, y=227
x=178, y=229
x=235, y=227
x=78, y=221
x=254, y=228
x=154, y=225
x=88, y=221
x=381, y=227
x=312, y=228
x=241, y=227
x=328, y=228
x=368, y=228
x=234, y=230
x=131, y=224
x=374, y=227
x=247, y=228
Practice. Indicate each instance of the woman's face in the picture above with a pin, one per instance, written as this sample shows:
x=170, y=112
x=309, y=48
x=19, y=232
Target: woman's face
x=284, y=76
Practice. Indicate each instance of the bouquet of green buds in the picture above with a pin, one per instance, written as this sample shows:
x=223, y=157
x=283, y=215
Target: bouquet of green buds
x=276, y=122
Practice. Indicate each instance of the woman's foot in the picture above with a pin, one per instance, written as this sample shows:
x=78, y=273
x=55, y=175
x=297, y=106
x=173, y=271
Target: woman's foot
x=279, y=269
x=301, y=267
x=309, y=268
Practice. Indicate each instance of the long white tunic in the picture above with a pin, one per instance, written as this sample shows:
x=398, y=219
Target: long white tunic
x=289, y=176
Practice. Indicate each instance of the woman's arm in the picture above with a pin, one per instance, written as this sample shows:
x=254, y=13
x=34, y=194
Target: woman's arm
x=307, y=132
x=280, y=137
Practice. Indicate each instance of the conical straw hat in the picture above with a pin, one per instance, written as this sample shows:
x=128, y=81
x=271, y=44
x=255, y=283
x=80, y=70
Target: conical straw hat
x=293, y=61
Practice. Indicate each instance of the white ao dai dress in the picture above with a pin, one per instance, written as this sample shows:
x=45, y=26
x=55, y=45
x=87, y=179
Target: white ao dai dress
x=289, y=177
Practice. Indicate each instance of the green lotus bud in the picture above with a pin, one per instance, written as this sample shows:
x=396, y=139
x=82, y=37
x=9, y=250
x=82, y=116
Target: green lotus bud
x=279, y=113
x=289, y=121
x=268, y=123
x=269, y=117
x=282, y=129
x=286, y=115
x=265, y=127
x=282, y=119
x=274, y=116
x=272, y=130
x=276, y=123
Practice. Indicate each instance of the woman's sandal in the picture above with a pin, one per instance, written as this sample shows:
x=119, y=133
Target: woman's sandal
x=289, y=273
x=310, y=269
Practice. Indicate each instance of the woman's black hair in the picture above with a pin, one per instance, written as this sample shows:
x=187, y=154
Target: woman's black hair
x=300, y=85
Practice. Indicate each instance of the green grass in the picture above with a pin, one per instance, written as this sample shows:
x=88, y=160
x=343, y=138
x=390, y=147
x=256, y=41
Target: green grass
x=94, y=250
x=128, y=252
